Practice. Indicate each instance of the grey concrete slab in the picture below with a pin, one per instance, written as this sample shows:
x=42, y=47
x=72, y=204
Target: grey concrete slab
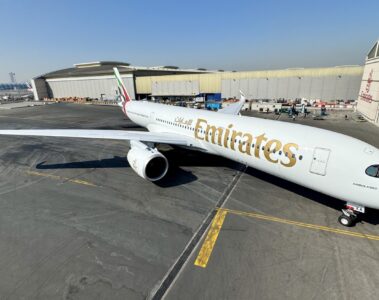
x=77, y=223
x=265, y=259
x=21, y=104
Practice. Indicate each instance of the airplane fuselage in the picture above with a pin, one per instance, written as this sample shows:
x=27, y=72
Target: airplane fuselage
x=322, y=160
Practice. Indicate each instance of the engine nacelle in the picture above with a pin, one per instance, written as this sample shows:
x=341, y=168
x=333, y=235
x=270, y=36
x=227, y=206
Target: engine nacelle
x=147, y=162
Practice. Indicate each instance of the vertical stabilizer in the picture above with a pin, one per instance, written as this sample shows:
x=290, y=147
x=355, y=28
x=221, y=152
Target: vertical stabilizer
x=124, y=96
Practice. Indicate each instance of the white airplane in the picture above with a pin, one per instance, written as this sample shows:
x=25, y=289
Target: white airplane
x=331, y=163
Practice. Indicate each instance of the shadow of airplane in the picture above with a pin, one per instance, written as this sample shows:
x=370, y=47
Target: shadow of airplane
x=176, y=176
x=371, y=215
x=115, y=162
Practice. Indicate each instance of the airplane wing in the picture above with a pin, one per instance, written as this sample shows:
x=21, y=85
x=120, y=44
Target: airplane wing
x=143, y=136
x=235, y=108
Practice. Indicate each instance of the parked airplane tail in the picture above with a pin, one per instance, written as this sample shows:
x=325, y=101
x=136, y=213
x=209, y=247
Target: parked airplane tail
x=124, y=96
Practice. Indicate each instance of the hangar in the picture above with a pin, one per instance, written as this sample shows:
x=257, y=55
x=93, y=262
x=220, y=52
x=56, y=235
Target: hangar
x=336, y=83
x=95, y=80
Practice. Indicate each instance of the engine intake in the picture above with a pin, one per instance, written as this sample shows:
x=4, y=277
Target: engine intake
x=147, y=162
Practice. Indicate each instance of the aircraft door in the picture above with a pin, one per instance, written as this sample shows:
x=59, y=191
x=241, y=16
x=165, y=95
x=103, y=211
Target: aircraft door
x=320, y=161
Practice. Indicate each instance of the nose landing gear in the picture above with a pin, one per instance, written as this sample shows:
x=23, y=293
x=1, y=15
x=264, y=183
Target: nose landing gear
x=350, y=214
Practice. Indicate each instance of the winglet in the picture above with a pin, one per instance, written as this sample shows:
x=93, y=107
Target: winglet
x=235, y=108
x=125, y=98
x=242, y=97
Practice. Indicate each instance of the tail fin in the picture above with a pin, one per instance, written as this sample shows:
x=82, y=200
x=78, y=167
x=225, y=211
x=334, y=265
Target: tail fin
x=125, y=98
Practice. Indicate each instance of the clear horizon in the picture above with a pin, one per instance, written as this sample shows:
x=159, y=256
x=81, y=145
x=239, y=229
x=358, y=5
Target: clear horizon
x=42, y=36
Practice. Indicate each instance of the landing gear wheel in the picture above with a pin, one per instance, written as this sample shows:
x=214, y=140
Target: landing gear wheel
x=346, y=220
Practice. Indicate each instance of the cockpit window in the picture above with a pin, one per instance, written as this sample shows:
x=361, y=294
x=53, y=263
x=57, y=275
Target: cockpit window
x=373, y=171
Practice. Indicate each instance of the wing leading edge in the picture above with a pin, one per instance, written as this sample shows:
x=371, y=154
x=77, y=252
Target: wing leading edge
x=144, y=136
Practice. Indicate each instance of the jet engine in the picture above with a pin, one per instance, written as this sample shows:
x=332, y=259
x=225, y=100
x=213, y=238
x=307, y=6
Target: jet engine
x=147, y=162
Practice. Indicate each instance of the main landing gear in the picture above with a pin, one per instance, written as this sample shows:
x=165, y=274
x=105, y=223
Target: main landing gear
x=350, y=214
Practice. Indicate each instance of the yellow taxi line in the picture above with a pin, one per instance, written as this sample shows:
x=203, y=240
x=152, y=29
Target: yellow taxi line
x=210, y=240
x=305, y=225
x=55, y=177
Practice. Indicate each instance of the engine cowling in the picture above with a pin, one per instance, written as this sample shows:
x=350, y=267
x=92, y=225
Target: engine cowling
x=147, y=162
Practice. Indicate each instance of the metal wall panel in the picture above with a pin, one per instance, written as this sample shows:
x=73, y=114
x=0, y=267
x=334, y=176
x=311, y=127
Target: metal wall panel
x=175, y=88
x=352, y=91
x=325, y=88
x=262, y=88
x=329, y=88
x=225, y=89
x=89, y=87
x=293, y=87
x=272, y=88
x=341, y=88
x=316, y=88
x=212, y=83
x=282, y=88
x=253, y=88
x=305, y=87
x=40, y=90
x=235, y=88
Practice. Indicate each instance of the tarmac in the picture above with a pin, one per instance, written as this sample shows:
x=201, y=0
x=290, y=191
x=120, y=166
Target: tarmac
x=76, y=222
x=22, y=104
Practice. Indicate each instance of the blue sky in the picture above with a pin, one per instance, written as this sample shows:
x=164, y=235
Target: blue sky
x=39, y=36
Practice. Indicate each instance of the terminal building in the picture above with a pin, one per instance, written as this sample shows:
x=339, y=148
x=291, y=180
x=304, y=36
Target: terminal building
x=15, y=90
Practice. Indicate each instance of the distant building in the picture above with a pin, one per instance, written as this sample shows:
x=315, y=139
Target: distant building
x=4, y=87
x=15, y=91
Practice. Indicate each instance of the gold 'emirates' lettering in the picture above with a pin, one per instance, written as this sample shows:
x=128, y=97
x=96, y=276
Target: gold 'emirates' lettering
x=245, y=146
x=287, y=150
x=260, y=139
x=269, y=149
x=228, y=137
x=198, y=127
x=234, y=138
x=212, y=131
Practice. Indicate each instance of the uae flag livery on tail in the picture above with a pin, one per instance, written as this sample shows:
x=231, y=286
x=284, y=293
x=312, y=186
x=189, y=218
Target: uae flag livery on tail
x=125, y=98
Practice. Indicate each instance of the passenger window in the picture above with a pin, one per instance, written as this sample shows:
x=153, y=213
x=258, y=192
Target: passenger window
x=373, y=171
